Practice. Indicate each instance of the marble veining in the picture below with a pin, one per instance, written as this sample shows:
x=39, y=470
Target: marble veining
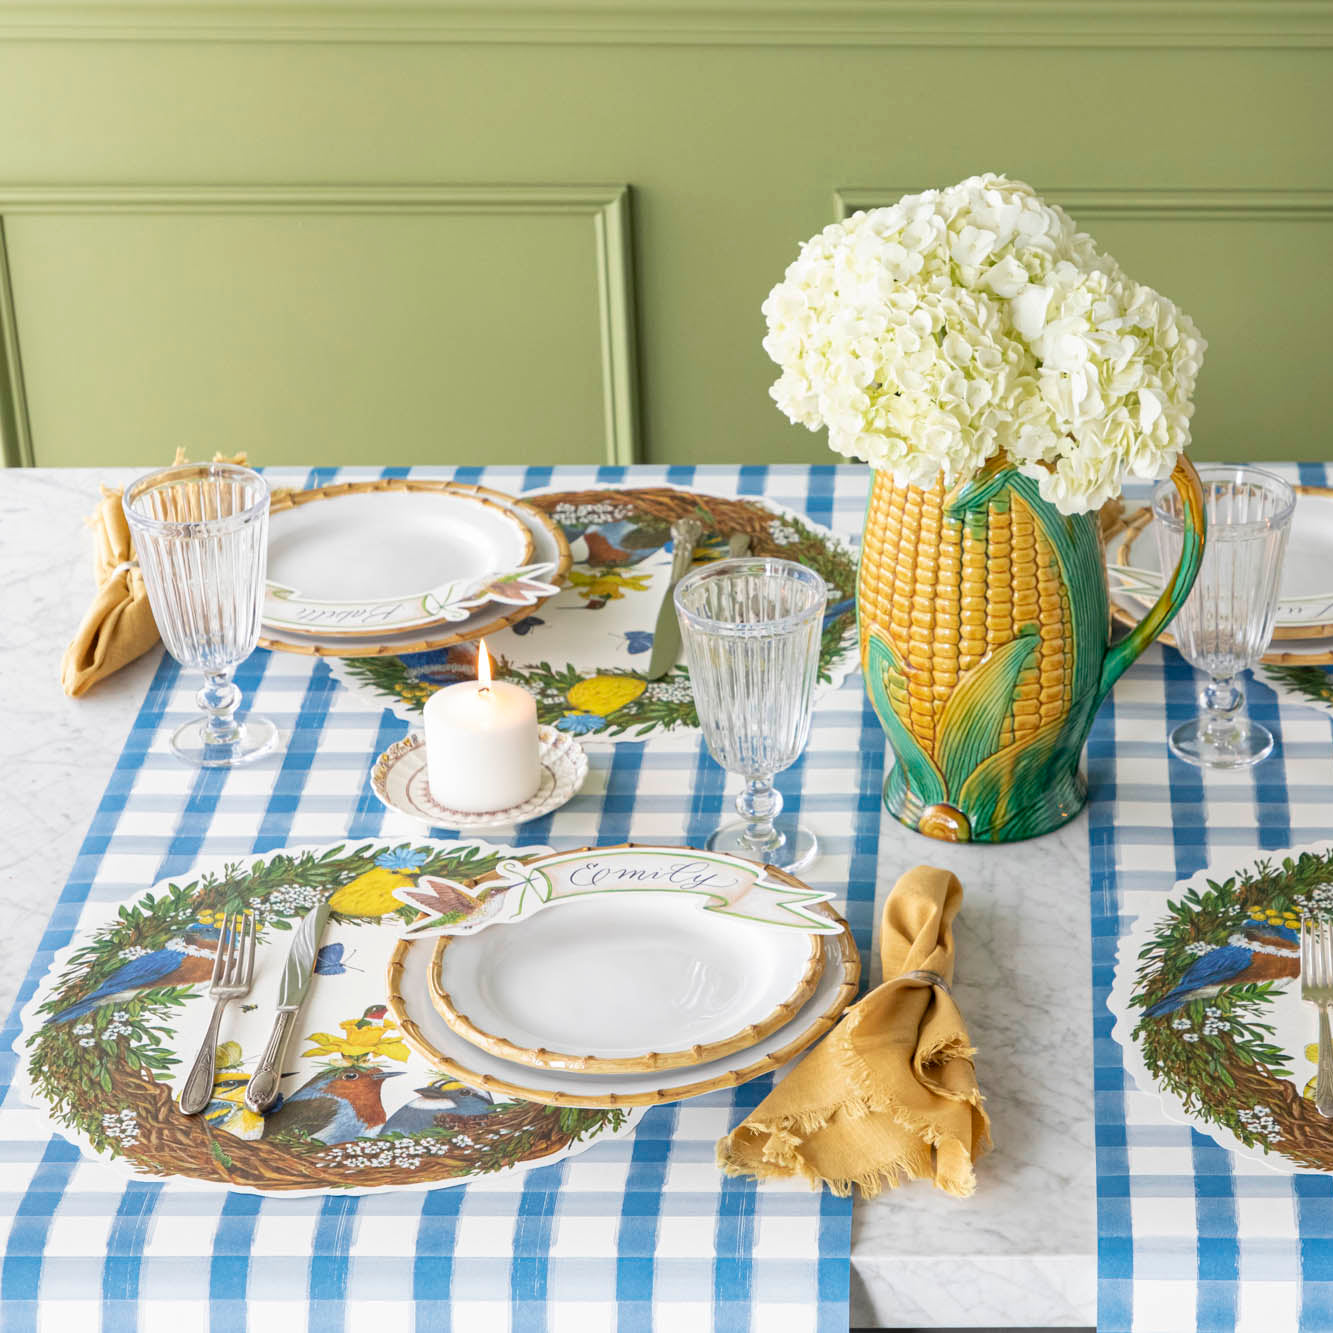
x=1021, y=1252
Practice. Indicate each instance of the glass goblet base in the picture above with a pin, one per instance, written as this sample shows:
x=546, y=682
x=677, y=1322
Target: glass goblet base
x=194, y=744
x=1238, y=744
x=794, y=849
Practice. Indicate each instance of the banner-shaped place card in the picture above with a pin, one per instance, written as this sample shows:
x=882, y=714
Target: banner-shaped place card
x=727, y=885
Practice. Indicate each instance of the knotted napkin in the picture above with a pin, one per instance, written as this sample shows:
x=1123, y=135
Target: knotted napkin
x=118, y=627
x=891, y=1092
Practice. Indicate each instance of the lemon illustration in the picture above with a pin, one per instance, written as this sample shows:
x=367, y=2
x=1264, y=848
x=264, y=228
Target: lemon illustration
x=604, y=694
x=371, y=892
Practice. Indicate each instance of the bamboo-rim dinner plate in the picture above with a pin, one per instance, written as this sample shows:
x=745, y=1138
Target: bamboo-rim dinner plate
x=623, y=983
x=548, y=547
x=409, y=994
x=1305, y=596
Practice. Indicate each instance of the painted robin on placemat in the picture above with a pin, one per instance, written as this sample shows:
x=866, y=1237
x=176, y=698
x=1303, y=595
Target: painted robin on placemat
x=334, y=1106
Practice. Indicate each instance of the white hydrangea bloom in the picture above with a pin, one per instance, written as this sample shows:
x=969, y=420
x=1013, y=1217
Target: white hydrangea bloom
x=964, y=323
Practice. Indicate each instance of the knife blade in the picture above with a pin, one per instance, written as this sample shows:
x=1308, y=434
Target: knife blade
x=297, y=973
x=685, y=536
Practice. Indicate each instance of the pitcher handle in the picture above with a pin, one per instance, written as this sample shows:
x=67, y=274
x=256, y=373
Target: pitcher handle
x=1120, y=655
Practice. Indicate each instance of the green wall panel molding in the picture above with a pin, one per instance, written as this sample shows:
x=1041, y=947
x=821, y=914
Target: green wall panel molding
x=1202, y=166
x=349, y=323
x=1153, y=24
x=15, y=433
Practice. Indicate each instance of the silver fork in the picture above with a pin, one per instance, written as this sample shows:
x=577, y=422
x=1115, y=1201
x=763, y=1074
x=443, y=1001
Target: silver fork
x=1317, y=989
x=233, y=971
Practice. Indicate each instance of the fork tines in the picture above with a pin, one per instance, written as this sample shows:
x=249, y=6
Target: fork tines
x=234, y=962
x=1316, y=958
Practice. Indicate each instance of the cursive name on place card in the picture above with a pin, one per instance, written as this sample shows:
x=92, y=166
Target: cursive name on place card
x=657, y=873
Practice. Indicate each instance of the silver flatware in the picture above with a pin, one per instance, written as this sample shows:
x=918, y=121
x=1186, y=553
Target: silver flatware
x=262, y=1090
x=686, y=533
x=233, y=973
x=1317, y=989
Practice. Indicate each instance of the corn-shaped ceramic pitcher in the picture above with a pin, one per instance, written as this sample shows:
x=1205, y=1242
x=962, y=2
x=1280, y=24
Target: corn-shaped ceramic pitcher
x=985, y=640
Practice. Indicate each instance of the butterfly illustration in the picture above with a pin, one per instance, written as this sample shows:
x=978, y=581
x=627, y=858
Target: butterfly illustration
x=527, y=624
x=638, y=640
x=329, y=961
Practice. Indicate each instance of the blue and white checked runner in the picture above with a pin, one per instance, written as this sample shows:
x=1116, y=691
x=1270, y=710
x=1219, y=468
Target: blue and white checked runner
x=1190, y=1235
x=631, y=1235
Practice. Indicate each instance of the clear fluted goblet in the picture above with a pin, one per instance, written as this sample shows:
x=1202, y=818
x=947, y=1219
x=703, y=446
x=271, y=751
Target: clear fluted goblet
x=751, y=630
x=1227, y=620
x=201, y=537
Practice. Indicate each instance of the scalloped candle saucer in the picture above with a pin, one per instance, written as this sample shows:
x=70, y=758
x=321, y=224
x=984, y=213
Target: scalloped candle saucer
x=399, y=780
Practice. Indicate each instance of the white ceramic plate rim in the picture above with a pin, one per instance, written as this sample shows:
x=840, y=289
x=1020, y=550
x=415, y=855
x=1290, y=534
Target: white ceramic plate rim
x=545, y=550
x=775, y=967
x=424, y=1027
x=396, y=608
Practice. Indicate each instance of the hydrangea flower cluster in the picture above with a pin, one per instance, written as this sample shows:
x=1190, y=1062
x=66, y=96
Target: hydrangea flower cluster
x=974, y=321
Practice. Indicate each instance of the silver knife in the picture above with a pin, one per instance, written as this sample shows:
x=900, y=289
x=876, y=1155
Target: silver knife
x=262, y=1090
x=686, y=533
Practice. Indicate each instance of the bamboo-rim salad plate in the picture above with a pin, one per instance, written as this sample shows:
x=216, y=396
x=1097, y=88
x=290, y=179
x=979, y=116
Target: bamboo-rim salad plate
x=621, y=975
x=504, y=599
x=688, y=986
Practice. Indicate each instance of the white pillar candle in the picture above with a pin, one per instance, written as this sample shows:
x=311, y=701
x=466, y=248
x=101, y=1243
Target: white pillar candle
x=482, y=751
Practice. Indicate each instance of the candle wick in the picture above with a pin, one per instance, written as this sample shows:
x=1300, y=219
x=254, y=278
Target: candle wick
x=485, y=689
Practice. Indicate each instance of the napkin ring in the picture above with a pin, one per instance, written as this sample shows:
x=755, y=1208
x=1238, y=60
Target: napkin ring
x=933, y=978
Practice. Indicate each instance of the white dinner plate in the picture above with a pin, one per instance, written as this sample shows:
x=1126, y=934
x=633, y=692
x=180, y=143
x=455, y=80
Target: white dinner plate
x=352, y=560
x=1305, y=595
x=549, y=547
x=409, y=988
x=624, y=983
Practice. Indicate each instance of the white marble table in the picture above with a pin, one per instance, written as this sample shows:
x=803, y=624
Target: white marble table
x=1020, y=1253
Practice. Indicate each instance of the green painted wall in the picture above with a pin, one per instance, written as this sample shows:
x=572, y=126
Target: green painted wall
x=515, y=233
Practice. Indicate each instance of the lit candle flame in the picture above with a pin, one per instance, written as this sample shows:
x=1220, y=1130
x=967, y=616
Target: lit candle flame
x=483, y=665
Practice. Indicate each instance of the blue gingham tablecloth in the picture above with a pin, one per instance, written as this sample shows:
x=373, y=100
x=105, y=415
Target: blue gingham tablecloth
x=638, y=1234
x=1191, y=1235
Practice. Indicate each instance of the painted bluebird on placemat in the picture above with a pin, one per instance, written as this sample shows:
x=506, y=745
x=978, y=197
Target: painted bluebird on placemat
x=1259, y=951
x=334, y=1106
x=185, y=960
x=444, y=1104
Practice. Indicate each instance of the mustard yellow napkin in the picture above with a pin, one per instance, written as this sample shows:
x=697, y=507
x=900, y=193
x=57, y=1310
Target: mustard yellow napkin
x=118, y=627
x=890, y=1092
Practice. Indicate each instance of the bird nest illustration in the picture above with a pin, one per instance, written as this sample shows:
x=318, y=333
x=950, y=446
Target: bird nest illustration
x=618, y=529
x=102, y=1041
x=1202, y=1005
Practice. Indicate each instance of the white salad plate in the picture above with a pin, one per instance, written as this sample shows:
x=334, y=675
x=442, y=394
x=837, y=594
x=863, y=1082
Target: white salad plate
x=688, y=985
x=357, y=559
x=1305, y=594
x=550, y=552
x=414, y=970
